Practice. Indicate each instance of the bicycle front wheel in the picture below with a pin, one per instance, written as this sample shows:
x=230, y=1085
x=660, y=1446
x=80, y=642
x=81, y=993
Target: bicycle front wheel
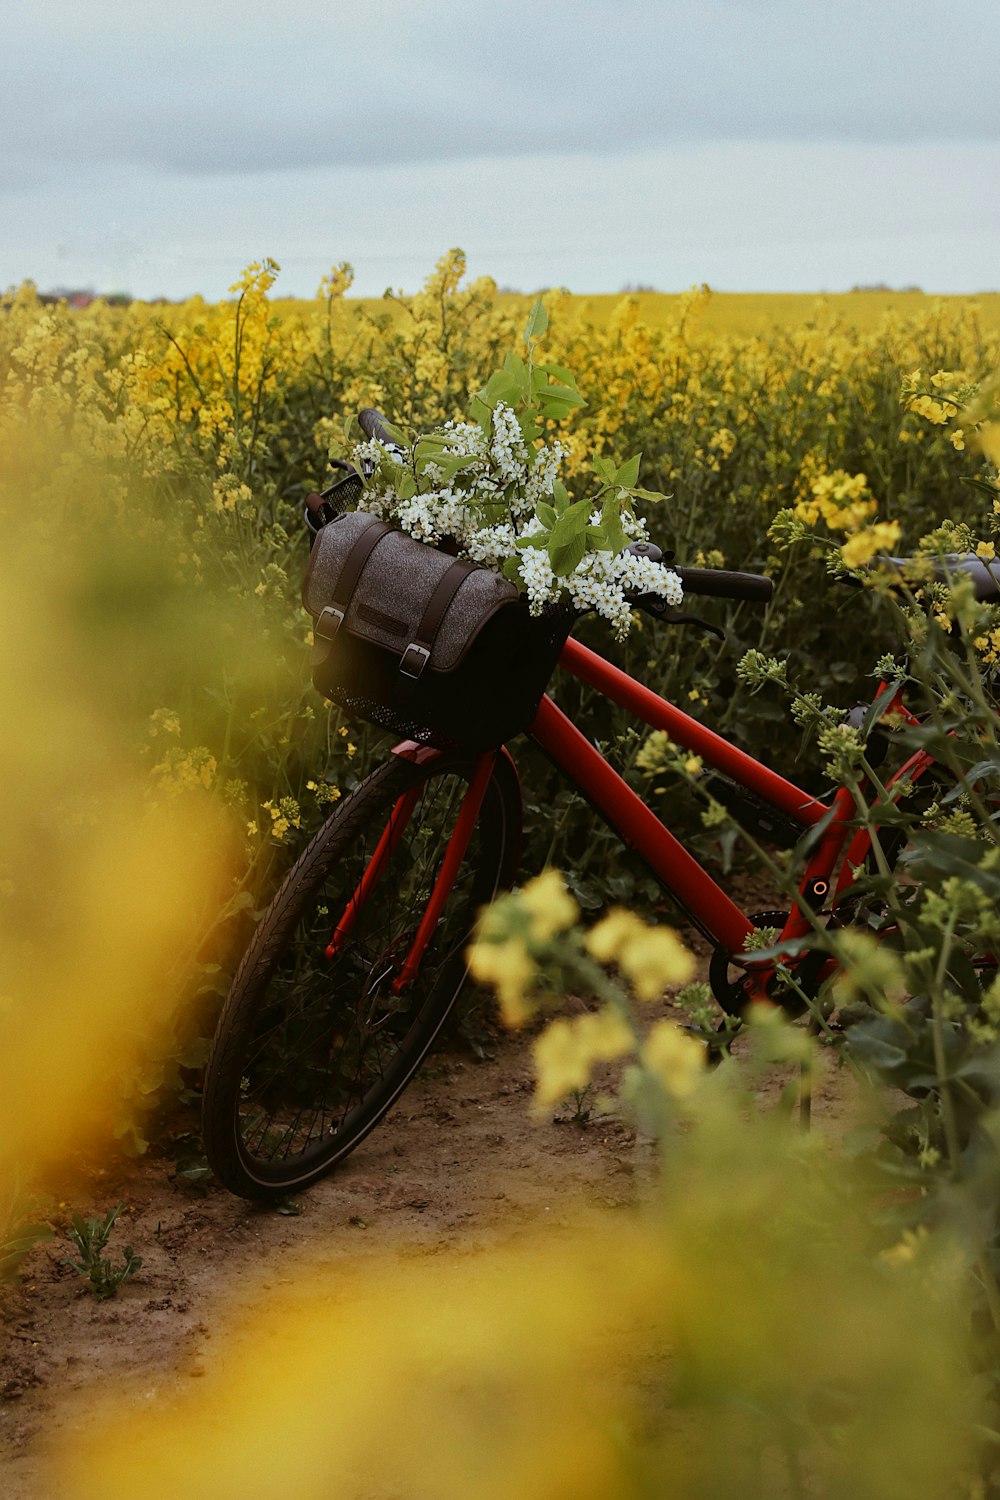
x=326, y=1023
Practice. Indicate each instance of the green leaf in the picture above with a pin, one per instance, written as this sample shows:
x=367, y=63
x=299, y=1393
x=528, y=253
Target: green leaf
x=606, y=470
x=501, y=386
x=979, y=484
x=517, y=371
x=393, y=434
x=538, y=322
x=560, y=373
x=573, y=521
x=481, y=412
x=611, y=520
x=560, y=395
x=565, y=558
x=629, y=472
x=512, y=569
x=560, y=496
x=546, y=514
x=428, y=450
x=449, y=467
x=568, y=541
x=196, y=1170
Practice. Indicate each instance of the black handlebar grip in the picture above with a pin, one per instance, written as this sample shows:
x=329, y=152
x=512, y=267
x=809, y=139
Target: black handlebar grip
x=373, y=425
x=718, y=584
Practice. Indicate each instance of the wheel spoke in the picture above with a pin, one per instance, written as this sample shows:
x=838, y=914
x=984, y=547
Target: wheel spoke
x=321, y=1046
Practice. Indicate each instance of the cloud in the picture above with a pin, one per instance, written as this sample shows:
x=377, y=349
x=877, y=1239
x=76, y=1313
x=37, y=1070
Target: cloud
x=745, y=216
x=244, y=87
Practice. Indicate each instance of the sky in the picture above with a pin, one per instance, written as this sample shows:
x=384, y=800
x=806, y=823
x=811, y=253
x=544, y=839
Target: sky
x=758, y=145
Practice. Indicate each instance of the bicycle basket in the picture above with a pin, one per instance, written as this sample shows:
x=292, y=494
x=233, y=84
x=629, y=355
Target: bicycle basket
x=430, y=647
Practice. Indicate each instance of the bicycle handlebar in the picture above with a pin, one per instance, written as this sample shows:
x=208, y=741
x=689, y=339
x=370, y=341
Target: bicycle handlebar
x=373, y=425
x=717, y=583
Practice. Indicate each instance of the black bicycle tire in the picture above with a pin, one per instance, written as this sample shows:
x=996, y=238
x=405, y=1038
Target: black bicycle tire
x=367, y=805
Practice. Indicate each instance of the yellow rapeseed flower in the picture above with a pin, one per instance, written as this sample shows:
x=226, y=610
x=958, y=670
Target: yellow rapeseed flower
x=860, y=548
x=510, y=968
x=650, y=957
x=607, y=938
x=988, y=439
x=675, y=1058
x=550, y=907
x=654, y=960
x=567, y=1050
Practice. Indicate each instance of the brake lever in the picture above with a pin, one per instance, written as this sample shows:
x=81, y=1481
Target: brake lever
x=651, y=604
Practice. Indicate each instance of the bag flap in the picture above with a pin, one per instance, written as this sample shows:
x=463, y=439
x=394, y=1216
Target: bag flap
x=398, y=578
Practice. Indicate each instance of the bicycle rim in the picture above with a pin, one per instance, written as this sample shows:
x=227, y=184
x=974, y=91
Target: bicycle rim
x=318, y=1039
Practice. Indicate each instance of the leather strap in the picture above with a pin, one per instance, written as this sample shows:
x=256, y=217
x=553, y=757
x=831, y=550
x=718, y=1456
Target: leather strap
x=355, y=561
x=417, y=653
x=331, y=618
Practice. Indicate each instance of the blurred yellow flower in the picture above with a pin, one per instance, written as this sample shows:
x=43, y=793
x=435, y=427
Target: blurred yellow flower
x=988, y=439
x=860, y=548
x=606, y=938
x=651, y=957
x=550, y=907
x=510, y=968
x=675, y=1058
x=906, y=1248
x=567, y=1050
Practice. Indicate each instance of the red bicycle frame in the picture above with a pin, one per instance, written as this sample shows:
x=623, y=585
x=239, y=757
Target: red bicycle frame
x=727, y=927
x=689, y=884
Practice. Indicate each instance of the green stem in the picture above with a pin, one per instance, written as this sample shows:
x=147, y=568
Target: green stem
x=940, y=1062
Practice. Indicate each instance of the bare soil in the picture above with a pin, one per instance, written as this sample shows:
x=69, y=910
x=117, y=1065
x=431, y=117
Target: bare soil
x=460, y=1163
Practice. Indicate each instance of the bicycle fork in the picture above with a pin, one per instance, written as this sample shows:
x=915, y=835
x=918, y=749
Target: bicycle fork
x=454, y=854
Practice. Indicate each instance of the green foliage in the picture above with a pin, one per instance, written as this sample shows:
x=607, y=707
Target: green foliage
x=91, y=1236
x=19, y=1232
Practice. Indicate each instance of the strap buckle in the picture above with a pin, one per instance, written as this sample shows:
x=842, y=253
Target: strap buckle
x=328, y=622
x=413, y=660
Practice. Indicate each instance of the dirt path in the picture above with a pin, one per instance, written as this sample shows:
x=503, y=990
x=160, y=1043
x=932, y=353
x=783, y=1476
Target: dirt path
x=459, y=1164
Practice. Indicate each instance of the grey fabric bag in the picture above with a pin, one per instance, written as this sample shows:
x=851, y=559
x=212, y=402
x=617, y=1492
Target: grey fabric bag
x=430, y=647
x=386, y=602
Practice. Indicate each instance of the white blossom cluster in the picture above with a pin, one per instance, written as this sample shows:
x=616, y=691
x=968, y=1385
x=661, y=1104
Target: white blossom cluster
x=492, y=502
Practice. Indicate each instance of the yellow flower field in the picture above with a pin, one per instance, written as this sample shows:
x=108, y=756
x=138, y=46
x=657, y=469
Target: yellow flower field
x=163, y=755
x=154, y=465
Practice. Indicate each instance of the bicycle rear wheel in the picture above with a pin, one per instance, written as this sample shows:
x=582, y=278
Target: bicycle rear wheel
x=321, y=1032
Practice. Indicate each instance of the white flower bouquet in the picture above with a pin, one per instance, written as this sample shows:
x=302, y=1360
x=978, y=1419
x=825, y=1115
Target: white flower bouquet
x=489, y=490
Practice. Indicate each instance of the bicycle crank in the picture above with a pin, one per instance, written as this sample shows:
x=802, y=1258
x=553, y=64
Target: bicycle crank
x=734, y=988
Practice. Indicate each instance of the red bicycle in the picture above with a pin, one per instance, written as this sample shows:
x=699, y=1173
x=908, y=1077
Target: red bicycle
x=359, y=959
